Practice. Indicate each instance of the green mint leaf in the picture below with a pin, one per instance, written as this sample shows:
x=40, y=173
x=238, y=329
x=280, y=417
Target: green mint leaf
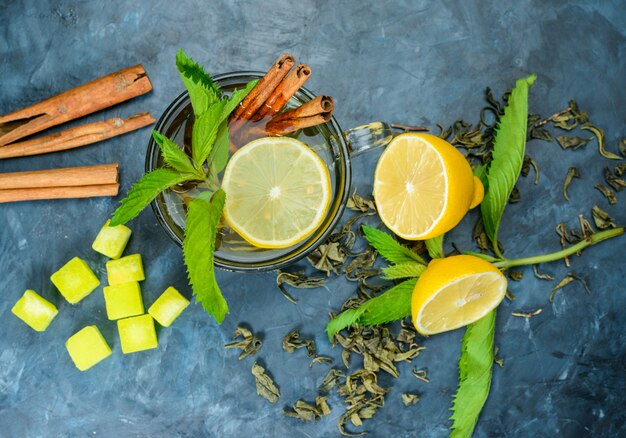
x=391, y=305
x=389, y=248
x=435, y=247
x=145, y=190
x=403, y=270
x=198, y=248
x=202, y=90
x=204, y=132
x=475, y=369
x=237, y=96
x=508, y=156
x=173, y=155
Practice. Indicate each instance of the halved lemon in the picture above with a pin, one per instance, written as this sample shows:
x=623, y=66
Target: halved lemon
x=277, y=192
x=455, y=291
x=423, y=186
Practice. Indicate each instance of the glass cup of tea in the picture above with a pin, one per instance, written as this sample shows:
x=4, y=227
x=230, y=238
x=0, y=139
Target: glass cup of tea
x=334, y=146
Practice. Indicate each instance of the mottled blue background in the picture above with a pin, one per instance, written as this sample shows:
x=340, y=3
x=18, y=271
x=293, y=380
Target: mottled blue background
x=415, y=62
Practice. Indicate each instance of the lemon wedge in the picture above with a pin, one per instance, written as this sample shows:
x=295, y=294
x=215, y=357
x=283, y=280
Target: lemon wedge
x=278, y=192
x=455, y=291
x=423, y=186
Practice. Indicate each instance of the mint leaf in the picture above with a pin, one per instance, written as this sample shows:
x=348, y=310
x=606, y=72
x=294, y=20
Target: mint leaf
x=145, y=190
x=475, y=369
x=204, y=132
x=202, y=90
x=389, y=248
x=173, y=155
x=403, y=270
x=508, y=156
x=435, y=247
x=221, y=148
x=198, y=248
x=391, y=305
x=237, y=96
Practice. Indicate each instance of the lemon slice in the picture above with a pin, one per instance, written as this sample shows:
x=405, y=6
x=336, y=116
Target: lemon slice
x=277, y=192
x=455, y=291
x=423, y=186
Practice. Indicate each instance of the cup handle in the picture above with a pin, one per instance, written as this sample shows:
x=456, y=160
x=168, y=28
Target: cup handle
x=368, y=137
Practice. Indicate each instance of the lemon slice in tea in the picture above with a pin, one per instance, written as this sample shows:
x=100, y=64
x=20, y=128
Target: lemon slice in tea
x=455, y=291
x=277, y=192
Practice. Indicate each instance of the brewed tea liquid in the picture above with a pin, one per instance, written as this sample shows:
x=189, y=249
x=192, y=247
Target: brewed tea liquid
x=230, y=246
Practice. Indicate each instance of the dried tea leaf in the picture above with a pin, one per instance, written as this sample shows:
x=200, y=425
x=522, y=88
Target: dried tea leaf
x=585, y=227
x=572, y=142
x=320, y=359
x=538, y=133
x=601, y=218
x=614, y=181
x=620, y=169
x=572, y=173
x=359, y=203
x=307, y=412
x=292, y=342
x=496, y=359
x=608, y=193
x=515, y=196
x=331, y=380
x=299, y=280
x=622, y=147
x=528, y=163
x=542, y=276
x=265, y=386
x=328, y=257
x=516, y=275
x=567, y=280
x=421, y=375
x=479, y=235
x=509, y=295
x=527, y=315
x=250, y=344
x=410, y=399
x=599, y=133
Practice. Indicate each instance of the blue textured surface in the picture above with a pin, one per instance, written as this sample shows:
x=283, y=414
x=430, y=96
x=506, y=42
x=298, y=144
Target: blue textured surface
x=414, y=62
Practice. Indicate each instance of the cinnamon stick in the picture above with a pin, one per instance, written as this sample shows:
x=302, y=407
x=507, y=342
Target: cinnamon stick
x=33, y=194
x=311, y=113
x=76, y=137
x=263, y=89
x=86, y=99
x=285, y=91
x=103, y=174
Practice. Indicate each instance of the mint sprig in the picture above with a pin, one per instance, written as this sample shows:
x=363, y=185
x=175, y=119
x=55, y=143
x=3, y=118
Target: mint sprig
x=210, y=145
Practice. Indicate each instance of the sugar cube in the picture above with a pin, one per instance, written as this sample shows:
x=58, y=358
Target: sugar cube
x=87, y=347
x=137, y=333
x=123, y=300
x=75, y=280
x=126, y=269
x=111, y=241
x=168, y=306
x=35, y=310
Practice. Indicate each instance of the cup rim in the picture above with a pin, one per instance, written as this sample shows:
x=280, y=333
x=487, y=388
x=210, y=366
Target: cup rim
x=285, y=260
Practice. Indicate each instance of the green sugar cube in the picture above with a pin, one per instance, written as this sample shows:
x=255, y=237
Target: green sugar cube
x=123, y=300
x=137, y=333
x=75, y=280
x=111, y=241
x=87, y=347
x=34, y=310
x=126, y=269
x=168, y=306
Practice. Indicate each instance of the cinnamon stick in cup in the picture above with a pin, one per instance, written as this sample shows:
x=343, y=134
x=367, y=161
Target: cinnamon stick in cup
x=76, y=137
x=312, y=113
x=263, y=89
x=285, y=91
x=86, y=99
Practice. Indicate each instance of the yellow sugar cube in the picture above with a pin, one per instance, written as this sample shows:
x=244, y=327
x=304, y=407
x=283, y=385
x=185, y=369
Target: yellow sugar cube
x=123, y=300
x=35, y=310
x=126, y=269
x=137, y=333
x=111, y=241
x=87, y=347
x=75, y=280
x=168, y=306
